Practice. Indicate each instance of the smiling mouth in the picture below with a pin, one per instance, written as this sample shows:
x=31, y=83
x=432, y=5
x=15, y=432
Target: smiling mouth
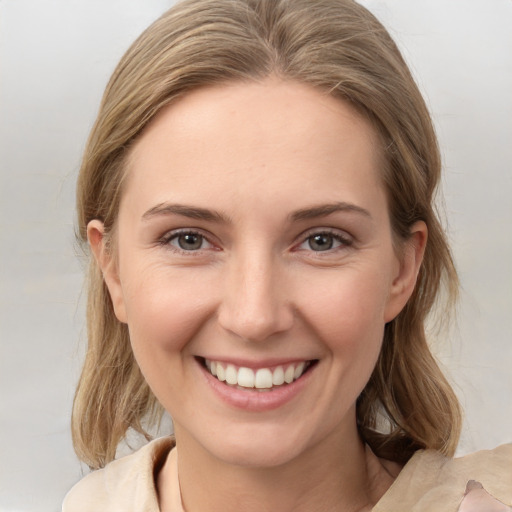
x=258, y=379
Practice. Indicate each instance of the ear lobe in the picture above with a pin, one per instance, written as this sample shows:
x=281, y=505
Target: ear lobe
x=409, y=267
x=108, y=266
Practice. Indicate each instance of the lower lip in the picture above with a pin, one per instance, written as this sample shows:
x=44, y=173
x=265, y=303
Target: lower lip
x=253, y=400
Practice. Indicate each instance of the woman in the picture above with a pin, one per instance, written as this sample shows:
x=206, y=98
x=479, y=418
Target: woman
x=257, y=195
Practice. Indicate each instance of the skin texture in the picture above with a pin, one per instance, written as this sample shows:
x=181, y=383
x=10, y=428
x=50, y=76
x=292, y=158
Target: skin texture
x=257, y=290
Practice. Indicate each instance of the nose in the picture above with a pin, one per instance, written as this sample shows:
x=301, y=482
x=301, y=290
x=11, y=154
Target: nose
x=256, y=303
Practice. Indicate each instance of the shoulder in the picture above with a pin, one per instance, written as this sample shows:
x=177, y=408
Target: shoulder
x=125, y=484
x=431, y=481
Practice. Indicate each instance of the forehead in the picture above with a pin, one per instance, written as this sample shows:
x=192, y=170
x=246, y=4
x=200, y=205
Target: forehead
x=228, y=141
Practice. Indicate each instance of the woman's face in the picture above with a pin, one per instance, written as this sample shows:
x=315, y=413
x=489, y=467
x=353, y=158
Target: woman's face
x=254, y=242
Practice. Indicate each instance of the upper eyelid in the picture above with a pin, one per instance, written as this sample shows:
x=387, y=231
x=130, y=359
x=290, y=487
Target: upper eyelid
x=336, y=232
x=168, y=235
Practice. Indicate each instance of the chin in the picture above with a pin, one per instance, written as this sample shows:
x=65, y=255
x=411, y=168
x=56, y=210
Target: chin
x=256, y=454
x=263, y=446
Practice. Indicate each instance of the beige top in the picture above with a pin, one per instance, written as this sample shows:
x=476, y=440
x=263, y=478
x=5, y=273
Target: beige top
x=428, y=482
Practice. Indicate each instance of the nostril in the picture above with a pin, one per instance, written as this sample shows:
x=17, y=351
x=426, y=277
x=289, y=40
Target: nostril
x=255, y=326
x=254, y=303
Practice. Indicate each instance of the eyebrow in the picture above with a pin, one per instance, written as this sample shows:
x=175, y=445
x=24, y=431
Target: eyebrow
x=327, y=209
x=192, y=212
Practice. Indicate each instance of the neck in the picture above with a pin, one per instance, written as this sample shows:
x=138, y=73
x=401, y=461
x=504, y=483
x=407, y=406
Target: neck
x=336, y=474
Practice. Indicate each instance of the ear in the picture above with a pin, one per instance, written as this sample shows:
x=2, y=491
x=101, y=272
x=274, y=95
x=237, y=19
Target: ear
x=108, y=265
x=408, y=268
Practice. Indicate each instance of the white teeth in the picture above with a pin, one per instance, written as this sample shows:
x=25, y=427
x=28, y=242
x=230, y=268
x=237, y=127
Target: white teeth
x=262, y=378
x=289, y=374
x=298, y=370
x=245, y=377
x=278, y=376
x=231, y=375
x=221, y=374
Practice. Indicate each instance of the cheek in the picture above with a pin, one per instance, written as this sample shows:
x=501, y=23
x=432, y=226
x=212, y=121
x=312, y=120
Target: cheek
x=165, y=308
x=347, y=313
x=346, y=316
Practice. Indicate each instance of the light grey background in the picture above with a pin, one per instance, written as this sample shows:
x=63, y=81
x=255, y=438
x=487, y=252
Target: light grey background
x=55, y=59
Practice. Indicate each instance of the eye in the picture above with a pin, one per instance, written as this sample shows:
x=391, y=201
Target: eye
x=324, y=241
x=320, y=242
x=188, y=241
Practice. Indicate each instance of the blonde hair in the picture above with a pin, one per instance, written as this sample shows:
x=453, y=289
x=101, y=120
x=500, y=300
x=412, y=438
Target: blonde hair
x=335, y=45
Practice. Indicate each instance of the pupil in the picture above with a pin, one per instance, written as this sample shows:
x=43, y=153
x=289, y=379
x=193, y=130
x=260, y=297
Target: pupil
x=190, y=242
x=321, y=242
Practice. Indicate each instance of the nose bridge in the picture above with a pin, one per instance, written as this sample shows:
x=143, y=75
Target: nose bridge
x=255, y=305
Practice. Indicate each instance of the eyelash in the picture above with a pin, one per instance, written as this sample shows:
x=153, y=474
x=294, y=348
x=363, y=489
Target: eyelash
x=174, y=235
x=344, y=241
